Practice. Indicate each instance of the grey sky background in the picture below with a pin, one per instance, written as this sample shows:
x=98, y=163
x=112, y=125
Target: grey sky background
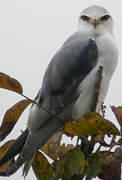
x=31, y=31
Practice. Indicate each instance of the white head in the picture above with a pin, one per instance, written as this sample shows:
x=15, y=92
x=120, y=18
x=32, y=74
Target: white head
x=96, y=19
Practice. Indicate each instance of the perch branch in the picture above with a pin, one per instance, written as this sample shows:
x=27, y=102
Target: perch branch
x=44, y=108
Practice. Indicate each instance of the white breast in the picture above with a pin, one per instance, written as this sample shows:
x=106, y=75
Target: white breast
x=108, y=55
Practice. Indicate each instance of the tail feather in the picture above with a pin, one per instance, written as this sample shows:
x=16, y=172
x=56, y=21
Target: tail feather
x=15, y=148
x=34, y=142
x=27, y=166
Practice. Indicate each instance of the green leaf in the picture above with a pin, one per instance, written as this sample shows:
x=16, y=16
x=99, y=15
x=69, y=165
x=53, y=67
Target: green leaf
x=94, y=168
x=72, y=163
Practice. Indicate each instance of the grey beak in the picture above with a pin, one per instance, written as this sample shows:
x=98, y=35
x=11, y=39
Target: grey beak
x=95, y=23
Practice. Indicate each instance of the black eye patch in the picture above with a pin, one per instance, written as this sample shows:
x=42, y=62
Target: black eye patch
x=85, y=18
x=105, y=18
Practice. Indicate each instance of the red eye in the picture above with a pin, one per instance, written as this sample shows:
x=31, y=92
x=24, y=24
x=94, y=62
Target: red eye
x=85, y=18
x=105, y=18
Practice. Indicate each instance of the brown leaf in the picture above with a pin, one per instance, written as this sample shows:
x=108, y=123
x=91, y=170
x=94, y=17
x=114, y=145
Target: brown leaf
x=10, y=83
x=53, y=148
x=64, y=149
x=94, y=163
x=111, y=161
x=11, y=117
x=91, y=124
x=118, y=113
x=3, y=149
x=98, y=138
x=41, y=167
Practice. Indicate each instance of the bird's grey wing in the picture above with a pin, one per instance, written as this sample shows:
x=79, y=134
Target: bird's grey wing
x=71, y=64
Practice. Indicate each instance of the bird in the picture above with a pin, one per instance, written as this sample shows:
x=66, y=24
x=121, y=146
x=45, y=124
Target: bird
x=69, y=82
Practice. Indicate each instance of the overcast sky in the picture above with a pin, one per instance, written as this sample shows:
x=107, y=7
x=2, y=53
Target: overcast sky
x=31, y=31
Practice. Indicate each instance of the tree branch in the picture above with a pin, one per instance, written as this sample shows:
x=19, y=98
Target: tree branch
x=44, y=108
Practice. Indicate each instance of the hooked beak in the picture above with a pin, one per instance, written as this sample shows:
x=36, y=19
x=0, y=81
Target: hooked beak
x=95, y=21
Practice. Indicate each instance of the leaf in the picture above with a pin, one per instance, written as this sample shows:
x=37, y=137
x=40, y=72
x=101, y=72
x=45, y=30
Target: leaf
x=53, y=148
x=5, y=167
x=102, y=125
x=91, y=124
x=11, y=117
x=93, y=164
x=118, y=113
x=79, y=128
x=98, y=138
x=111, y=163
x=64, y=149
x=42, y=168
x=72, y=163
x=3, y=149
x=94, y=168
x=102, y=163
x=10, y=83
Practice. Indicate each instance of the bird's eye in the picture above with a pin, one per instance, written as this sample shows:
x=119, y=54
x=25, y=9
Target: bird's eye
x=85, y=18
x=105, y=18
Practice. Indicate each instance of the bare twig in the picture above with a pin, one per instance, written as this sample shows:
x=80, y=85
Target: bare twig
x=44, y=108
x=103, y=109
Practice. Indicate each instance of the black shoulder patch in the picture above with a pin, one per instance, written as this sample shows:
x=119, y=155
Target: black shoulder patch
x=71, y=65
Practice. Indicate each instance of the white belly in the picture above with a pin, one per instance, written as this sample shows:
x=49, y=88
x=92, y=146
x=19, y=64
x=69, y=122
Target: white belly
x=108, y=55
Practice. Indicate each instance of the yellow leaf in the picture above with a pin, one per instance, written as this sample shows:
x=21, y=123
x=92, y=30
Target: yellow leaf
x=79, y=128
x=102, y=125
x=3, y=149
x=42, y=168
x=118, y=113
x=91, y=124
x=10, y=83
x=11, y=117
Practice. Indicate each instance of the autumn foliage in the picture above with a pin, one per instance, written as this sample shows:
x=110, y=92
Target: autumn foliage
x=70, y=162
